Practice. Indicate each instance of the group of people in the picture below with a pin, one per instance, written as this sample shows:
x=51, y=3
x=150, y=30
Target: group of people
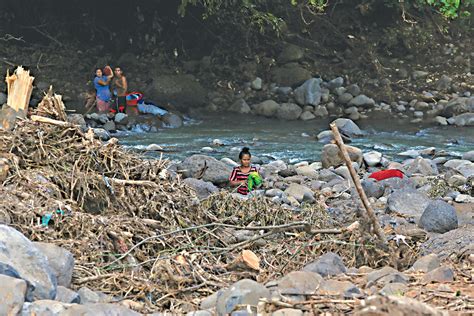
x=111, y=90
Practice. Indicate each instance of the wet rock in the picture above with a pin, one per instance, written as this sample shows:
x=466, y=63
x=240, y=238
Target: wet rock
x=466, y=119
x=243, y=292
x=12, y=295
x=408, y=202
x=347, y=127
x=183, y=91
x=66, y=295
x=290, y=75
x=426, y=263
x=327, y=265
x=256, y=84
x=394, y=289
x=373, y=188
x=17, y=252
x=468, y=156
x=372, y=158
x=202, y=188
x=208, y=168
x=60, y=260
x=267, y=108
x=344, y=289
x=299, y=283
x=171, y=120
x=439, y=275
x=362, y=101
x=335, y=83
x=345, y=98
x=289, y=111
x=309, y=93
x=439, y=217
x=154, y=147
x=307, y=116
x=240, y=106
x=290, y=53
x=385, y=276
x=288, y=312
x=331, y=155
x=298, y=191
x=455, y=106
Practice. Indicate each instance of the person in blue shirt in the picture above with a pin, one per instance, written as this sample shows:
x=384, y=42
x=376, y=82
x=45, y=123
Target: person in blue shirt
x=102, y=87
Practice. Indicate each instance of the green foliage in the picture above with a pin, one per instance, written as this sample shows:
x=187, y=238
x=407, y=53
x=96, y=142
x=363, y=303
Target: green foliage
x=449, y=8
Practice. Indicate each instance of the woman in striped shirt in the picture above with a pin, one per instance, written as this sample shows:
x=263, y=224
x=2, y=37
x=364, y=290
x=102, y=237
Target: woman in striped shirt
x=241, y=173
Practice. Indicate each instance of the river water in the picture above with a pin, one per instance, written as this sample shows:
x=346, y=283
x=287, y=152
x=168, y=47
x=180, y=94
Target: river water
x=295, y=141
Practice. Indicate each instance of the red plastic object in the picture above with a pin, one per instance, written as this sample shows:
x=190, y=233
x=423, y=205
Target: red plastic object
x=107, y=71
x=385, y=174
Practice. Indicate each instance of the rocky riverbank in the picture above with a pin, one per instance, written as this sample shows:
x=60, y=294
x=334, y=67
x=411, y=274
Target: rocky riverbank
x=123, y=234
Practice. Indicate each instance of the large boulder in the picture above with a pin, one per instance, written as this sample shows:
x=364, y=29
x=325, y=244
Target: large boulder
x=30, y=263
x=331, y=155
x=419, y=165
x=309, y=93
x=348, y=127
x=183, y=91
x=290, y=53
x=466, y=119
x=289, y=111
x=208, y=168
x=456, y=242
x=408, y=201
x=268, y=108
x=298, y=191
x=202, y=188
x=455, y=106
x=439, y=217
x=362, y=101
x=60, y=260
x=290, y=75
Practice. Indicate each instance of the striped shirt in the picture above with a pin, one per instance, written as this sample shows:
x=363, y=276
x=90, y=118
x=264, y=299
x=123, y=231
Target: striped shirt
x=238, y=175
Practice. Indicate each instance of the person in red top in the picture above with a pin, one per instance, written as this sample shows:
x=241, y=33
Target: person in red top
x=241, y=173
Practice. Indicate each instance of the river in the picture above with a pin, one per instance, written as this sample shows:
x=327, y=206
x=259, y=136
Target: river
x=295, y=141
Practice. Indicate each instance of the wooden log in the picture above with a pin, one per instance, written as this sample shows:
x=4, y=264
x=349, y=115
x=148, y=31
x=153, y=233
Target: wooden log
x=47, y=120
x=372, y=219
x=19, y=88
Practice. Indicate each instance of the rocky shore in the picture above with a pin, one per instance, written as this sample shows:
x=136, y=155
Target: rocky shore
x=309, y=249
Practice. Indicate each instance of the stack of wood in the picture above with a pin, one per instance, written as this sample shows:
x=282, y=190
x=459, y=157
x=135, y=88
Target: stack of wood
x=52, y=106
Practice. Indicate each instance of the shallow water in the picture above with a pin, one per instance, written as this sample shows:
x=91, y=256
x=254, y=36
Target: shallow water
x=285, y=140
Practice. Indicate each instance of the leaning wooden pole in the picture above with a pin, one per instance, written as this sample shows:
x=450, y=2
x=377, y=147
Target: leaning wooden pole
x=370, y=212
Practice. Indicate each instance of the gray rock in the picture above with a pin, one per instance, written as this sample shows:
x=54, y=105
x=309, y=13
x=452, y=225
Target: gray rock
x=45, y=307
x=288, y=312
x=309, y=93
x=426, y=263
x=455, y=106
x=344, y=289
x=273, y=193
x=290, y=53
x=76, y=119
x=199, y=313
x=362, y=101
x=385, y=276
x=408, y=201
x=307, y=171
x=373, y=188
x=421, y=166
x=418, y=74
x=209, y=168
x=32, y=266
x=240, y=106
x=457, y=180
x=266, y=108
x=121, y=118
x=335, y=83
x=8, y=117
x=285, y=91
x=60, y=260
x=229, y=162
x=87, y=296
x=372, y=158
x=468, y=156
x=331, y=156
x=307, y=116
x=353, y=89
x=439, y=275
x=66, y=295
x=327, y=265
x=321, y=111
x=298, y=191
x=290, y=75
x=441, y=120
x=453, y=243
x=345, y=98
x=256, y=84
x=348, y=127
x=100, y=309
x=466, y=119
x=101, y=134
x=439, y=217
x=171, y=120
x=12, y=295
x=299, y=283
x=289, y=111
x=327, y=175
x=183, y=91
x=202, y=188
x=243, y=292
x=394, y=289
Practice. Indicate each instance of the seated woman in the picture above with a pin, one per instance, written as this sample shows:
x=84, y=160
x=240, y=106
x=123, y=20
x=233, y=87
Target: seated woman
x=240, y=174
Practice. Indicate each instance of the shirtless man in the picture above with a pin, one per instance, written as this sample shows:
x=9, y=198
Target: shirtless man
x=120, y=89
